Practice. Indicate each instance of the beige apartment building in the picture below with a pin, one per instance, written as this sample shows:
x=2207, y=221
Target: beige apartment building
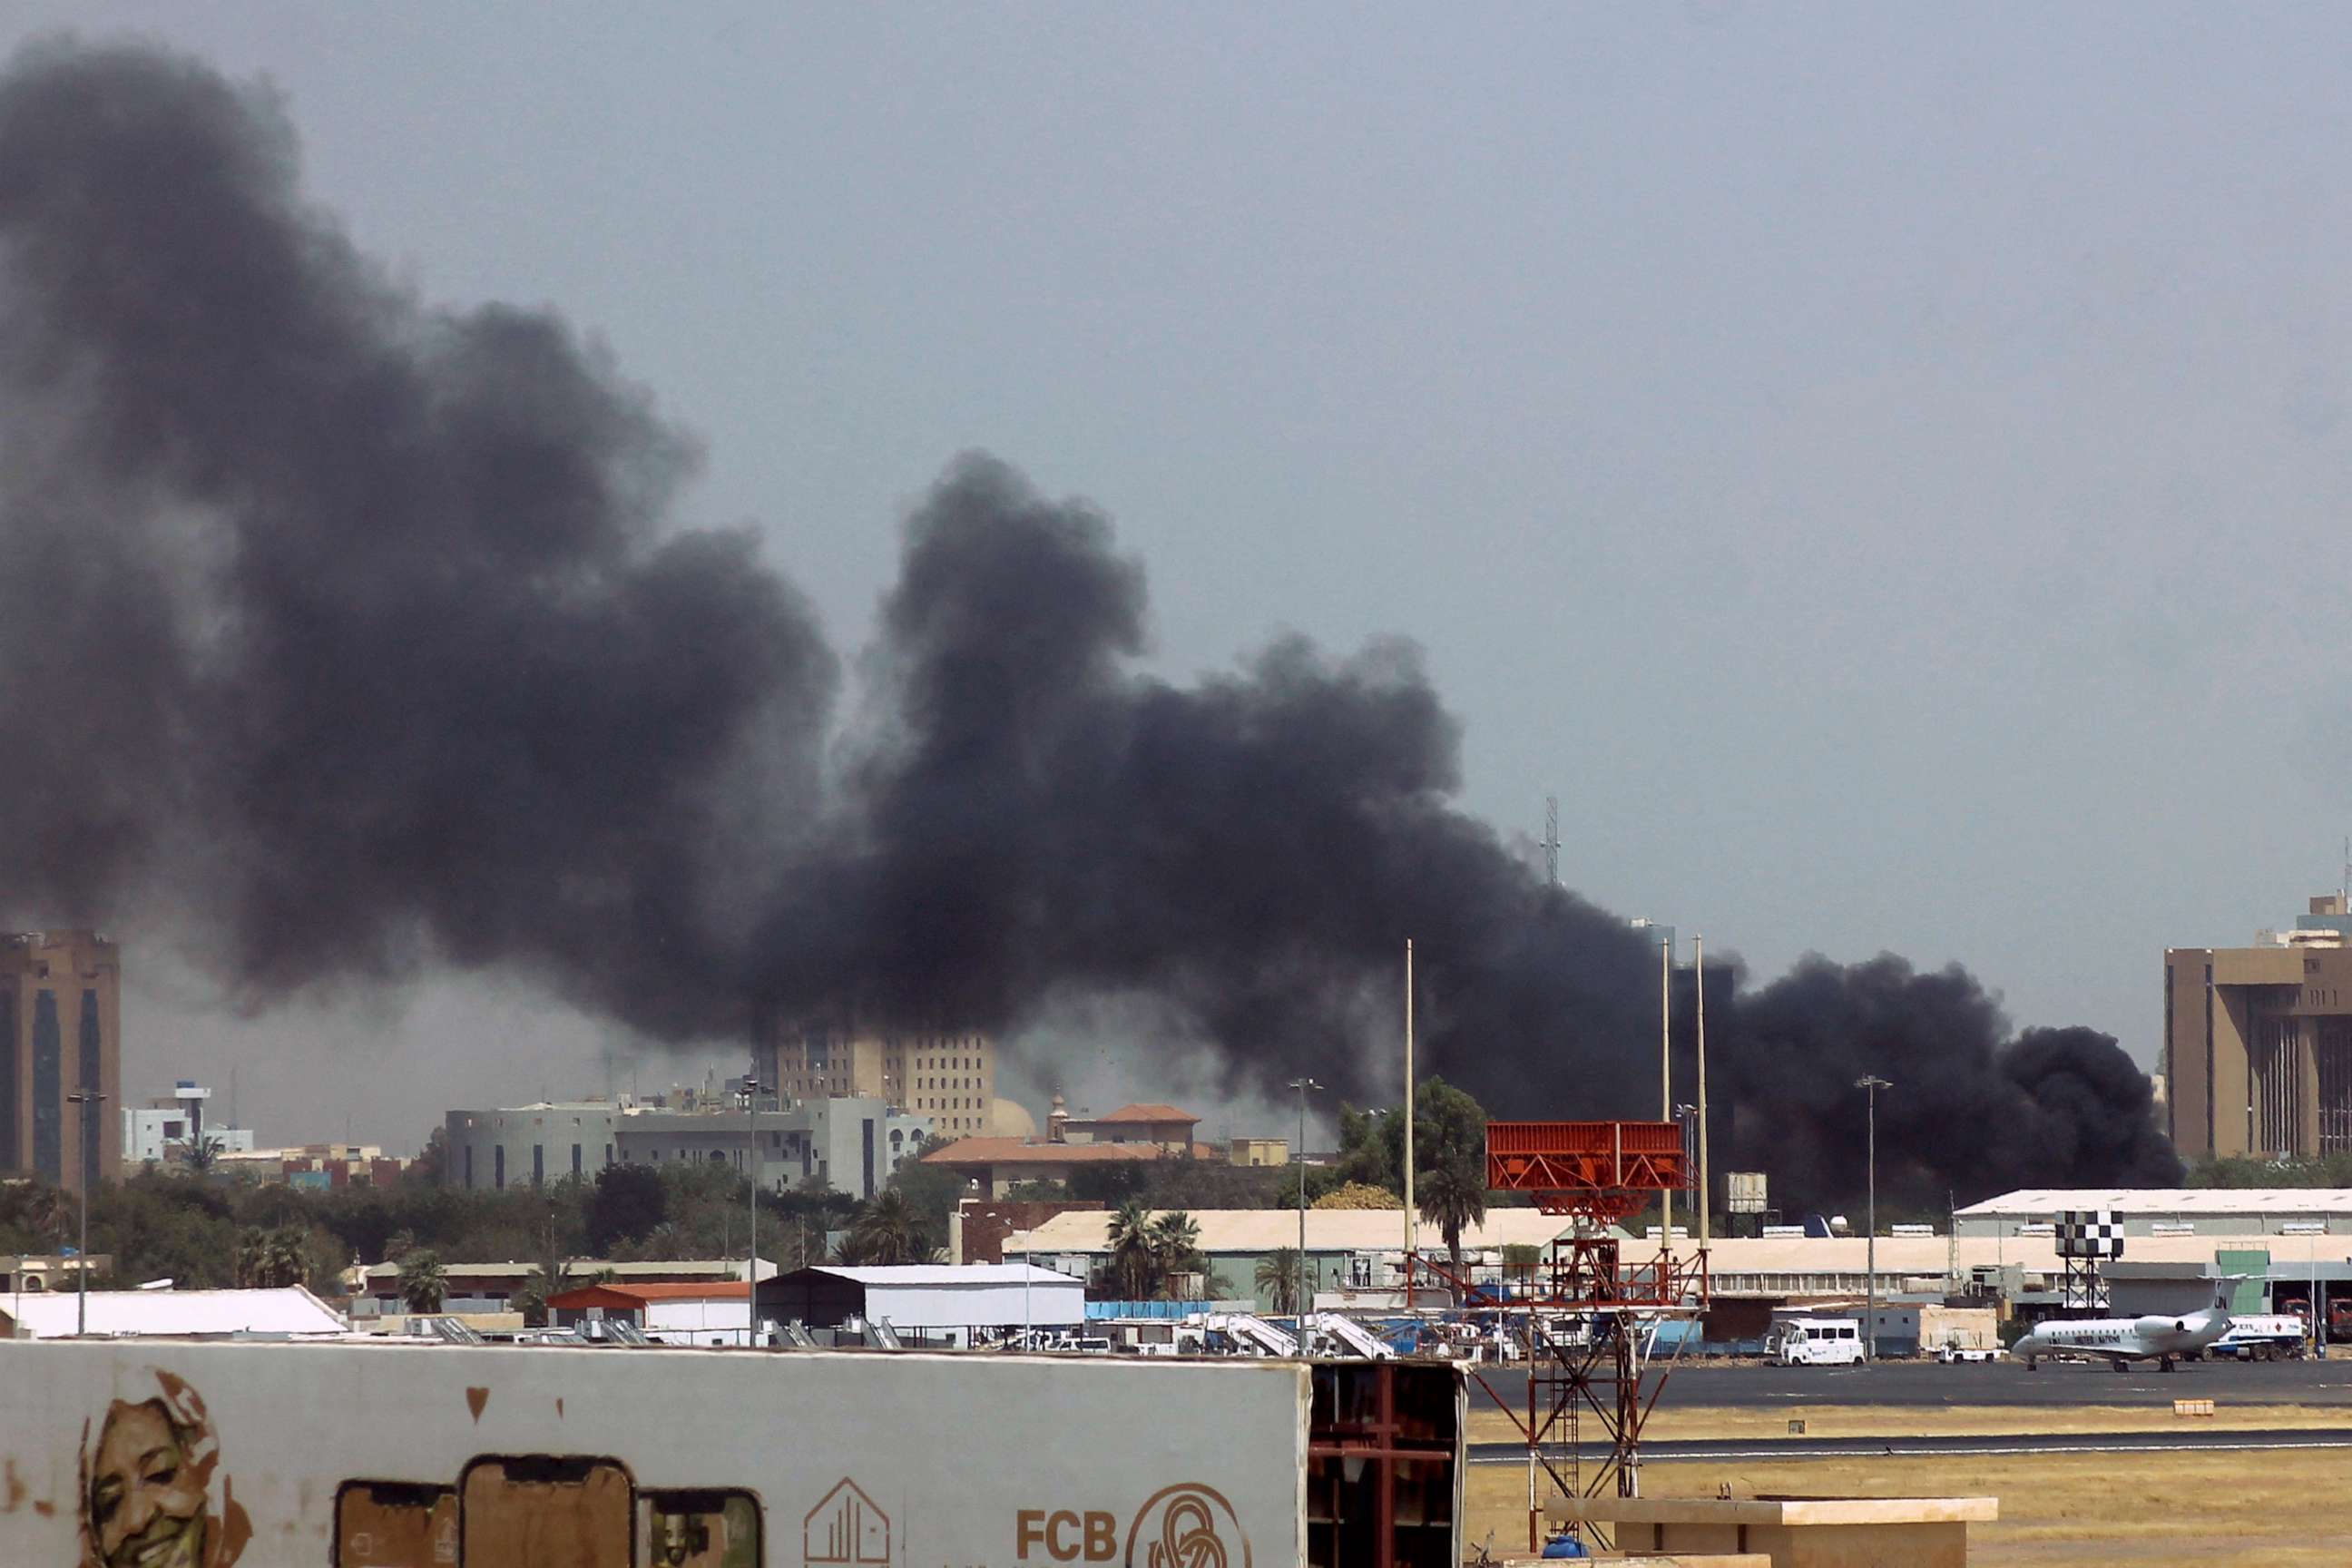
x=60, y=1032
x=948, y=1078
x=2258, y=1041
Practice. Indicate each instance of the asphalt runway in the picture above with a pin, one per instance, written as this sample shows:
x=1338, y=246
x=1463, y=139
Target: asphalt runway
x=2200, y=1440
x=1928, y=1384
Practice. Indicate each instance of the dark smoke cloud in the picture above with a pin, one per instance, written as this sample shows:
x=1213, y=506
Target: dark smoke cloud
x=355, y=632
x=345, y=622
x=1971, y=1109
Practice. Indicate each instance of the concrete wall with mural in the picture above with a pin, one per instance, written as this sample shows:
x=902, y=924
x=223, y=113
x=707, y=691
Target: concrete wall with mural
x=392, y=1456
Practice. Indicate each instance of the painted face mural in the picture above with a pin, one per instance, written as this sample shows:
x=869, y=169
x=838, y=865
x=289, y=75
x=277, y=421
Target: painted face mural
x=151, y=1494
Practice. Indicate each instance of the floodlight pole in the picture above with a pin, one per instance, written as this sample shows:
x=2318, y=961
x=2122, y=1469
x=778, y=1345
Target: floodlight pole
x=751, y=1166
x=1870, y=1084
x=89, y=1099
x=1299, y=1299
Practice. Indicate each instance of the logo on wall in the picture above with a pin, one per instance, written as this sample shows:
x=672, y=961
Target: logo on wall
x=1187, y=1526
x=846, y=1528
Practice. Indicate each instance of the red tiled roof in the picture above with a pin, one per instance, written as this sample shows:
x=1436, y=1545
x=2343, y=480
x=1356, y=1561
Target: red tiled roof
x=1147, y=1113
x=593, y=1295
x=1023, y=1151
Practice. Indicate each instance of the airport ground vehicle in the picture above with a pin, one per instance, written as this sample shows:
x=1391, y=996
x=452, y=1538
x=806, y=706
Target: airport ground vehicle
x=2278, y=1336
x=397, y=1453
x=1815, y=1341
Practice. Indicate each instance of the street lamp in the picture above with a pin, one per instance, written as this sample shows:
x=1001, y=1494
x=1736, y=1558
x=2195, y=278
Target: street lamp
x=1298, y=1301
x=89, y=1099
x=1870, y=1084
x=751, y=1268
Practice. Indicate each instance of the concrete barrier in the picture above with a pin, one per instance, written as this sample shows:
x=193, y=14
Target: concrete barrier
x=1795, y=1532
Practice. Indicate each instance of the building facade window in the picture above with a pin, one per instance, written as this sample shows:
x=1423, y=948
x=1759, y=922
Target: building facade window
x=48, y=1090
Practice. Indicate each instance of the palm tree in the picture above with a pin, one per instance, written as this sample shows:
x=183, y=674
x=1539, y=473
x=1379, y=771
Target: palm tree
x=1451, y=1199
x=424, y=1283
x=49, y=1213
x=1176, y=1245
x=201, y=1154
x=1134, y=1265
x=887, y=1231
x=272, y=1259
x=289, y=1254
x=1277, y=1278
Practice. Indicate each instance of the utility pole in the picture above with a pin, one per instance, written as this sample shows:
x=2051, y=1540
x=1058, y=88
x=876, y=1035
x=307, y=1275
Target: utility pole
x=89, y=1099
x=1870, y=1084
x=751, y=1164
x=1298, y=1301
x=1706, y=1177
x=1411, y=1229
x=1666, y=1077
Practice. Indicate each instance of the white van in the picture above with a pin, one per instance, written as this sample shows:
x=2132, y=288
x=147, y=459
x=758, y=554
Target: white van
x=1815, y=1341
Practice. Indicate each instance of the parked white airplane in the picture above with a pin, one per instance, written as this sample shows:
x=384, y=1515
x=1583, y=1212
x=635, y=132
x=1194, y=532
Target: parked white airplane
x=2160, y=1338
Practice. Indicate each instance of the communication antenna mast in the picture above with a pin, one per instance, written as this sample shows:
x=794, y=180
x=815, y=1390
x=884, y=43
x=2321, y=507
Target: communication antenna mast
x=1551, y=842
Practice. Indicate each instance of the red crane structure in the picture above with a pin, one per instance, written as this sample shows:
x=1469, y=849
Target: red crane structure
x=1591, y=1311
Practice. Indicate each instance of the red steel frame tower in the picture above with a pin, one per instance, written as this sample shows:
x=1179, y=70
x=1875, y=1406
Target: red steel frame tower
x=1588, y=1306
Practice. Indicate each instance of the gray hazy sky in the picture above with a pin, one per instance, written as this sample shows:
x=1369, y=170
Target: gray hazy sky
x=1882, y=468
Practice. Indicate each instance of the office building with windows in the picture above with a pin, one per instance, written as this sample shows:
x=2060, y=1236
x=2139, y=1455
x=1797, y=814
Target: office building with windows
x=2258, y=1041
x=948, y=1079
x=60, y=1033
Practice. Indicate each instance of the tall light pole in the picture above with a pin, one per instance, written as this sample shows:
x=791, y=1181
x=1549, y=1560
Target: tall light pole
x=90, y=1099
x=752, y=1162
x=1299, y=1301
x=1870, y=1084
x=1411, y=1231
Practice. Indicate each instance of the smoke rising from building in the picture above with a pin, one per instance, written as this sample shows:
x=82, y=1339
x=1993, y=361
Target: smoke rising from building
x=356, y=633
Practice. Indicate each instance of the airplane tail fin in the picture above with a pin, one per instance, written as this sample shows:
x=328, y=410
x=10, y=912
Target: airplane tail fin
x=2226, y=1286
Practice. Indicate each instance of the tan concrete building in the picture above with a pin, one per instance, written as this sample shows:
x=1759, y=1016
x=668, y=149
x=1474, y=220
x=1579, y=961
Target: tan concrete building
x=60, y=1031
x=949, y=1079
x=2258, y=1041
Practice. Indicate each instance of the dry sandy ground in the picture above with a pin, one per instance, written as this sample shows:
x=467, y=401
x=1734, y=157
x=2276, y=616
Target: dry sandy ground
x=2267, y=1510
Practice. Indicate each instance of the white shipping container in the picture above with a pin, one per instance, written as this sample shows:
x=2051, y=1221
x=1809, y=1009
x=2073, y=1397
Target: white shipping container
x=387, y=1454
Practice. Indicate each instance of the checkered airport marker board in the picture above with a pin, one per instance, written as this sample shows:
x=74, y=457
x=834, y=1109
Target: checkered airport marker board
x=2089, y=1233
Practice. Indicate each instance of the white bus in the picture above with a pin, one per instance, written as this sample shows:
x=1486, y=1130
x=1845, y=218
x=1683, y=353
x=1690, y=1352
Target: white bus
x=1815, y=1341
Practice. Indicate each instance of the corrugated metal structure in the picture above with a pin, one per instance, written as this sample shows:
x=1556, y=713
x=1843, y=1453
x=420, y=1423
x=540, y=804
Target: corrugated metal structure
x=2159, y=1211
x=935, y=1302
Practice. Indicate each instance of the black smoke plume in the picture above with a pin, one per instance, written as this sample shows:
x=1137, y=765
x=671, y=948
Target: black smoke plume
x=355, y=632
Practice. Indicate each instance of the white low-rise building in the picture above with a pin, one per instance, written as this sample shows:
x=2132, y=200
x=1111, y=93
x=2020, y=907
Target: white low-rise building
x=937, y=1303
x=719, y=1313
x=288, y=1313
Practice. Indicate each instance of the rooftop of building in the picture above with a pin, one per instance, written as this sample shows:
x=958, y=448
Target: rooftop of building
x=2036, y=1201
x=943, y=1274
x=1142, y=1113
x=605, y=1291
x=289, y=1311
x=690, y=1269
x=1327, y=1230
x=1044, y=1151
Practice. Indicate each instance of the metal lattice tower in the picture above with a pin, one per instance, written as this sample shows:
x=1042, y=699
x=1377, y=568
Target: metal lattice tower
x=1551, y=839
x=1590, y=1314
